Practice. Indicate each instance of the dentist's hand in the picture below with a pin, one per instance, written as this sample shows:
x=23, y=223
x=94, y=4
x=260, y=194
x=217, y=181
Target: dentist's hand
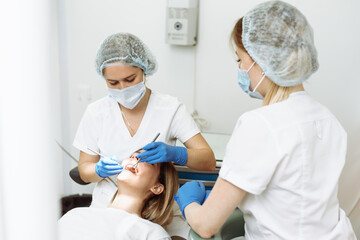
x=107, y=167
x=160, y=152
x=190, y=192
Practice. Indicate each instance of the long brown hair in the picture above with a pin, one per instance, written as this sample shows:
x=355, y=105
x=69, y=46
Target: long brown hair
x=275, y=93
x=158, y=208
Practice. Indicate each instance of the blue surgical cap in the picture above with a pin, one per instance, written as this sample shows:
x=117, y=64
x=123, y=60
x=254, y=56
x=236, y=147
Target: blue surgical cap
x=279, y=39
x=127, y=49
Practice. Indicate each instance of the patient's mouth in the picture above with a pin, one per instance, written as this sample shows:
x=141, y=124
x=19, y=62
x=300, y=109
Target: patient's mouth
x=130, y=168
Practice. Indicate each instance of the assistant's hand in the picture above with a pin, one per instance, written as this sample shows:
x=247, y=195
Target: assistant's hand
x=190, y=192
x=207, y=194
x=107, y=167
x=160, y=152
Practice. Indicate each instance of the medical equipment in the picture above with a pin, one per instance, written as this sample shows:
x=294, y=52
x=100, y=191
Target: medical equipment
x=127, y=49
x=107, y=167
x=162, y=152
x=135, y=165
x=102, y=170
x=74, y=173
x=244, y=82
x=137, y=162
x=279, y=39
x=98, y=153
x=67, y=153
x=208, y=178
x=181, y=22
x=105, y=160
x=128, y=97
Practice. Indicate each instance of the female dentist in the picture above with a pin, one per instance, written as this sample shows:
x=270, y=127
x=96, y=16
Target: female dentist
x=130, y=117
x=283, y=162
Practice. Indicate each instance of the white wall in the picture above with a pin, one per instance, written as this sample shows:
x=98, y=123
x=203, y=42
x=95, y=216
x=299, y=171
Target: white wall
x=204, y=77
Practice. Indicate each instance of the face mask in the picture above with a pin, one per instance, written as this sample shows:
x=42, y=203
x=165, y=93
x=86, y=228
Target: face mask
x=128, y=97
x=244, y=82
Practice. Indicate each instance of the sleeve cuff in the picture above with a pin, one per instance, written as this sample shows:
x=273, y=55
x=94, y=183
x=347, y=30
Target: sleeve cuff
x=82, y=148
x=189, y=135
x=239, y=182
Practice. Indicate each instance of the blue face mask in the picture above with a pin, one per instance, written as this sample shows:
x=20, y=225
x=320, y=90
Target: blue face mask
x=244, y=82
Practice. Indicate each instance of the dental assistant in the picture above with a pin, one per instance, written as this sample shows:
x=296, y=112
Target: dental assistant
x=283, y=161
x=129, y=118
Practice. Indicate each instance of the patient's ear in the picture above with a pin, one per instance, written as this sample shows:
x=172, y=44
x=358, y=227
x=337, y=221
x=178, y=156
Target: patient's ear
x=157, y=189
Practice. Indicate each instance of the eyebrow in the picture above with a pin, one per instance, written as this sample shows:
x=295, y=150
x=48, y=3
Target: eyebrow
x=123, y=78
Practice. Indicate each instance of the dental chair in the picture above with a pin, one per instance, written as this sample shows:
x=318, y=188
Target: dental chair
x=234, y=225
x=75, y=176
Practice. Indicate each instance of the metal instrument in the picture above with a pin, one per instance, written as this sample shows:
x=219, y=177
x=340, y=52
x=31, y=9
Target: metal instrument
x=97, y=153
x=137, y=162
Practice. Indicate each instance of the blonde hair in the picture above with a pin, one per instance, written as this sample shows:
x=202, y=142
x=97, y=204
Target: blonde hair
x=275, y=92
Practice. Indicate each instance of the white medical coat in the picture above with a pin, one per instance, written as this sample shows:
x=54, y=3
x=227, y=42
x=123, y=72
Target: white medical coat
x=107, y=223
x=288, y=156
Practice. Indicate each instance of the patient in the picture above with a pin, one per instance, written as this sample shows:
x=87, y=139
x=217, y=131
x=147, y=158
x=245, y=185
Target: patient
x=140, y=209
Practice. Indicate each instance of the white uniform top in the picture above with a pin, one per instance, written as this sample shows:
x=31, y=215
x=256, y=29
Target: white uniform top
x=103, y=129
x=288, y=156
x=108, y=223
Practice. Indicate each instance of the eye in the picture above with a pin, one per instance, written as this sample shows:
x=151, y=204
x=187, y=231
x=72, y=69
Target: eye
x=238, y=60
x=113, y=83
x=130, y=79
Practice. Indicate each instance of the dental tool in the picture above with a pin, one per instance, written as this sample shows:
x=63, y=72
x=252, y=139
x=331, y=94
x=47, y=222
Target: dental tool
x=97, y=153
x=137, y=162
x=101, y=155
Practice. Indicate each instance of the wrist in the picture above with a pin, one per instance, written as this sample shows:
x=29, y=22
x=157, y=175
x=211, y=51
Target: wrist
x=181, y=156
x=98, y=172
x=190, y=208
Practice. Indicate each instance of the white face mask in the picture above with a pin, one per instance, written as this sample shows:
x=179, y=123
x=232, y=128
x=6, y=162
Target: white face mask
x=128, y=97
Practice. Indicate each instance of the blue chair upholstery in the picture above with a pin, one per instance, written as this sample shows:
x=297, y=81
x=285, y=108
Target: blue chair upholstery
x=207, y=177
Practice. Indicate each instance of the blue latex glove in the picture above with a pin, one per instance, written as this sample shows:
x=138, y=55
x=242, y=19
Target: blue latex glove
x=190, y=192
x=207, y=194
x=160, y=152
x=107, y=167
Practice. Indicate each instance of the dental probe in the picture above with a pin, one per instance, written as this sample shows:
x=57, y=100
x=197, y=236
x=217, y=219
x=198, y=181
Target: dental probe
x=103, y=157
x=97, y=153
x=137, y=162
